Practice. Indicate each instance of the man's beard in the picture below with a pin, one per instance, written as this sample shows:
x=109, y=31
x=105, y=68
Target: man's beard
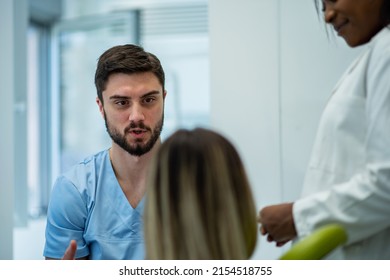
x=138, y=149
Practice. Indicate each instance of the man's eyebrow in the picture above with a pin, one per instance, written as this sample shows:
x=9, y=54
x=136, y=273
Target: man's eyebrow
x=121, y=97
x=154, y=92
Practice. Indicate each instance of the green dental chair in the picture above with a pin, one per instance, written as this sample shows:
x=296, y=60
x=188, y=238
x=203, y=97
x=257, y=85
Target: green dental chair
x=317, y=245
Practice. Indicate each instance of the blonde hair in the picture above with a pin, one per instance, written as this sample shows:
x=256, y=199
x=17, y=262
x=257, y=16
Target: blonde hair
x=199, y=203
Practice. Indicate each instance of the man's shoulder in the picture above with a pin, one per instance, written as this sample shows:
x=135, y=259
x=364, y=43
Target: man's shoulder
x=91, y=161
x=86, y=168
x=95, y=158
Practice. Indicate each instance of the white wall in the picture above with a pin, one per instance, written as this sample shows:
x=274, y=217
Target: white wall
x=272, y=70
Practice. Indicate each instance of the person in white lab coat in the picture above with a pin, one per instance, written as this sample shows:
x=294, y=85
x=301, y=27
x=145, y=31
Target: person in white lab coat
x=348, y=177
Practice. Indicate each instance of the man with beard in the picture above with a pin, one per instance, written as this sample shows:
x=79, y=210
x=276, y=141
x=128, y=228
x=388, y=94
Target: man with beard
x=95, y=211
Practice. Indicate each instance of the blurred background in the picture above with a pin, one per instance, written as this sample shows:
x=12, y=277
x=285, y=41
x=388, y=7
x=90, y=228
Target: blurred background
x=258, y=71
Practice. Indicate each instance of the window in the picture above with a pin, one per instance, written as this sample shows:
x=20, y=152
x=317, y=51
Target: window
x=38, y=132
x=178, y=35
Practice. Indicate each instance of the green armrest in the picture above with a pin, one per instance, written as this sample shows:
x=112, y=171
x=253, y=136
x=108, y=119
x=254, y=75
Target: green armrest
x=317, y=245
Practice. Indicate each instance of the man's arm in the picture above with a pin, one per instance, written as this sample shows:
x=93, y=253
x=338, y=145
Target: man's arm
x=65, y=223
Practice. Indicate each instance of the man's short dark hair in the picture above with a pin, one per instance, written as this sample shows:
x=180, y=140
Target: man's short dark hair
x=128, y=59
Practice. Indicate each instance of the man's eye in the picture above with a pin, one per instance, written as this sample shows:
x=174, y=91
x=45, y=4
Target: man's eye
x=121, y=103
x=149, y=100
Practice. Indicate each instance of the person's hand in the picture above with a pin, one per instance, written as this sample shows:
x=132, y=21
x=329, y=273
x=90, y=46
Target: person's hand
x=277, y=223
x=70, y=253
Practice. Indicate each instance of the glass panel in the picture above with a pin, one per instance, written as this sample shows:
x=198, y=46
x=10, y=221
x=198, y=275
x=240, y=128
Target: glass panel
x=178, y=35
x=33, y=127
x=185, y=61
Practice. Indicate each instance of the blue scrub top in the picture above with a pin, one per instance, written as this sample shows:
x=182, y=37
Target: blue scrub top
x=87, y=204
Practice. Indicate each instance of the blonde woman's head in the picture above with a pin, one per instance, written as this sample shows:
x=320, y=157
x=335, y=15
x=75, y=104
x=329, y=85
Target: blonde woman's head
x=199, y=203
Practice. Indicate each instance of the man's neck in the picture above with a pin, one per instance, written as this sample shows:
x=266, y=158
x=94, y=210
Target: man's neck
x=131, y=171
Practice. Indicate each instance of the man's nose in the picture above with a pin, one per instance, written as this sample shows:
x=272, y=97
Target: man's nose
x=137, y=113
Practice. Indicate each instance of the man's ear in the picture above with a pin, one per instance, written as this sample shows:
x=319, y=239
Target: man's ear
x=164, y=94
x=100, y=104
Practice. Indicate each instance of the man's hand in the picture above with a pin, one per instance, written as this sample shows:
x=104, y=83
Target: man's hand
x=277, y=223
x=70, y=253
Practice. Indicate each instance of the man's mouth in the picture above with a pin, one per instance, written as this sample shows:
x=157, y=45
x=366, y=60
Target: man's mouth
x=137, y=131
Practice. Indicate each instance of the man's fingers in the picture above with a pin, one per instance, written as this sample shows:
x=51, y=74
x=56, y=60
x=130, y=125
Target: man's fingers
x=70, y=253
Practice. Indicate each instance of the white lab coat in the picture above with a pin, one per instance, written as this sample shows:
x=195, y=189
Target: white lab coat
x=348, y=177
